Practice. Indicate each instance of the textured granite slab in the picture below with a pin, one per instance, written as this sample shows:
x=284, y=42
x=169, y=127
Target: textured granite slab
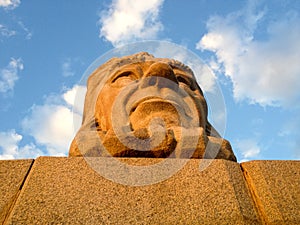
x=69, y=191
x=12, y=175
x=275, y=186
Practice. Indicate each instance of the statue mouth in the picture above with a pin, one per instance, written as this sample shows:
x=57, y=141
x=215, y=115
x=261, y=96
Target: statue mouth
x=146, y=110
x=154, y=103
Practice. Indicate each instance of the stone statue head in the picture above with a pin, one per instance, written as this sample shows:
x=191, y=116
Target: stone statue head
x=142, y=106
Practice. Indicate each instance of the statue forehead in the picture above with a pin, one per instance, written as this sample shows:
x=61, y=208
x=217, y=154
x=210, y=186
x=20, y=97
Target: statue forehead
x=109, y=67
x=107, y=70
x=145, y=64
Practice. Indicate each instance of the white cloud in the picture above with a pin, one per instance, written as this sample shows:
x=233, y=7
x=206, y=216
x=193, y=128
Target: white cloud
x=264, y=71
x=9, y=75
x=10, y=149
x=29, y=151
x=10, y=4
x=75, y=97
x=9, y=143
x=130, y=20
x=248, y=148
x=52, y=124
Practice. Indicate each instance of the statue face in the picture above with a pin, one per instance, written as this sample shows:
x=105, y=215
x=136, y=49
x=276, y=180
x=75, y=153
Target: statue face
x=150, y=90
x=142, y=106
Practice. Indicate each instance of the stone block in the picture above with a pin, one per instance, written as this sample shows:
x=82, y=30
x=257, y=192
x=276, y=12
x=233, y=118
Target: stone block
x=275, y=187
x=12, y=175
x=70, y=191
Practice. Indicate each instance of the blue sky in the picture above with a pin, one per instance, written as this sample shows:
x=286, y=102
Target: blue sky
x=252, y=47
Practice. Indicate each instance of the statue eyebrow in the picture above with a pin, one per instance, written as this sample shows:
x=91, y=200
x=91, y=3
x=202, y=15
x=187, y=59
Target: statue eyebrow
x=122, y=74
x=125, y=72
x=179, y=65
x=184, y=73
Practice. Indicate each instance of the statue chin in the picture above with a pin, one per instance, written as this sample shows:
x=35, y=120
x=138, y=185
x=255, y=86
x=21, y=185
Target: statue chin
x=154, y=113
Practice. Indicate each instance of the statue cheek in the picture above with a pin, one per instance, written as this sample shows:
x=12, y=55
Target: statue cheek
x=104, y=104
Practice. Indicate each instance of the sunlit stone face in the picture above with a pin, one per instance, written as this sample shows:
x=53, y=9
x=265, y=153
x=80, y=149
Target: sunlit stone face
x=142, y=106
x=160, y=90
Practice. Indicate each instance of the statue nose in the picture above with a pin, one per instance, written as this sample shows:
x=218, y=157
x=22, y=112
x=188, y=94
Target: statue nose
x=161, y=75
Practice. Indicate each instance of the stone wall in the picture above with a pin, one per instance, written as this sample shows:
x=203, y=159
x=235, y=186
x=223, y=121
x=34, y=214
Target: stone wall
x=56, y=190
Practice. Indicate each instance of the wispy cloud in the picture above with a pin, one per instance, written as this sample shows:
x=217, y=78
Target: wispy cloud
x=10, y=4
x=130, y=20
x=69, y=65
x=9, y=75
x=289, y=135
x=6, y=32
x=66, y=68
x=28, y=34
x=264, y=71
x=19, y=29
x=14, y=24
x=248, y=148
x=52, y=124
x=10, y=149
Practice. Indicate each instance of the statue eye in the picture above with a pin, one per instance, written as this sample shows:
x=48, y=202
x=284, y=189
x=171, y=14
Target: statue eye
x=187, y=81
x=181, y=79
x=123, y=78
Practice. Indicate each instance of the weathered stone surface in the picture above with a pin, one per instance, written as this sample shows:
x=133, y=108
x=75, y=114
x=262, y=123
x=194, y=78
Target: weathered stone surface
x=142, y=106
x=275, y=187
x=12, y=175
x=69, y=191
